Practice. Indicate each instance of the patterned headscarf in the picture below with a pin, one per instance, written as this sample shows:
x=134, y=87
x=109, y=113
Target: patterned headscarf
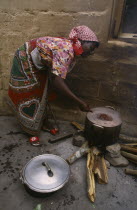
x=83, y=33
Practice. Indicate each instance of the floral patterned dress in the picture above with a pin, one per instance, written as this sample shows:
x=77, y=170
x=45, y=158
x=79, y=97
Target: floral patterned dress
x=28, y=84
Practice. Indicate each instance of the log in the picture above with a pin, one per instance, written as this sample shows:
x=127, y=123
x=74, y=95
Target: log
x=90, y=176
x=65, y=136
x=128, y=138
x=133, y=161
x=96, y=165
x=79, y=153
x=77, y=125
x=131, y=144
x=128, y=148
x=130, y=171
x=100, y=169
x=129, y=155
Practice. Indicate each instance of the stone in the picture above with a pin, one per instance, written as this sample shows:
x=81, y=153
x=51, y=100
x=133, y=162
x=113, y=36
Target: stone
x=78, y=140
x=114, y=157
x=117, y=161
x=114, y=150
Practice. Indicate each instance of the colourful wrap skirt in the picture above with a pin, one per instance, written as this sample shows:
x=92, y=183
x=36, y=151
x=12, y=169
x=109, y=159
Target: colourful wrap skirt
x=28, y=89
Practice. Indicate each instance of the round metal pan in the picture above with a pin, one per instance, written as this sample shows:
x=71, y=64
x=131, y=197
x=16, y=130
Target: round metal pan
x=45, y=173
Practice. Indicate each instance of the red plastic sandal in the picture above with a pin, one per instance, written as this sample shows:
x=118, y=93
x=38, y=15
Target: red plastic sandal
x=34, y=140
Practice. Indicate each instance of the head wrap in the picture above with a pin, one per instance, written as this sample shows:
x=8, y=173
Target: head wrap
x=83, y=33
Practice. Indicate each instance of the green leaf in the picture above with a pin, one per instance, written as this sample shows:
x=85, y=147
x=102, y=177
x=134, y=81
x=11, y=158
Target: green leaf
x=38, y=207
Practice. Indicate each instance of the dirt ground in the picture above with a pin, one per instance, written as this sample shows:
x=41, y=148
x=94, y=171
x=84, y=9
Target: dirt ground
x=15, y=151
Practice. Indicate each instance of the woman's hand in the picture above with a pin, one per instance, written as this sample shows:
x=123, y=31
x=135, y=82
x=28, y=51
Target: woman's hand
x=84, y=107
x=62, y=88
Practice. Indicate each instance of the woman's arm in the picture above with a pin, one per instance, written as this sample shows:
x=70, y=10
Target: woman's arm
x=62, y=88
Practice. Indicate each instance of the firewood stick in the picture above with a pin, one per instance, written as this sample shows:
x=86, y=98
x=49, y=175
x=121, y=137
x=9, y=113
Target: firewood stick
x=90, y=176
x=128, y=148
x=79, y=153
x=77, y=125
x=130, y=144
x=129, y=155
x=100, y=169
x=130, y=171
x=133, y=161
x=128, y=138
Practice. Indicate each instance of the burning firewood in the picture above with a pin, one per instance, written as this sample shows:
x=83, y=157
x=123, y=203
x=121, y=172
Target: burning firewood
x=100, y=169
x=96, y=165
x=79, y=153
x=90, y=176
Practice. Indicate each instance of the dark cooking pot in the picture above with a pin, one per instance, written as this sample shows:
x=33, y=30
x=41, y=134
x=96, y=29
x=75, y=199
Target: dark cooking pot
x=102, y=126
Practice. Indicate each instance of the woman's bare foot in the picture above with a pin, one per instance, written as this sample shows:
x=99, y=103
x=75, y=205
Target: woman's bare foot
x=47, y=126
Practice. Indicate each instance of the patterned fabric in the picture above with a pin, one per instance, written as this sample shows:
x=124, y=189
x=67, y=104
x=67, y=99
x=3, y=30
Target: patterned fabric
x=28, y=90
x=58, y=54
x=83, y=33
x=28, y=85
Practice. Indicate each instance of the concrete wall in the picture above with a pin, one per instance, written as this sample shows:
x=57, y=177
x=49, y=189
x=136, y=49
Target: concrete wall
x=107, y=78
x=24, y=20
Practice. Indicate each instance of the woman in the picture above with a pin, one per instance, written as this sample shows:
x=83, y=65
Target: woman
x=40, y=62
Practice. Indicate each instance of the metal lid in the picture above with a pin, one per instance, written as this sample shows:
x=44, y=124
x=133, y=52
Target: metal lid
x=46, y=173
x=104, y=116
